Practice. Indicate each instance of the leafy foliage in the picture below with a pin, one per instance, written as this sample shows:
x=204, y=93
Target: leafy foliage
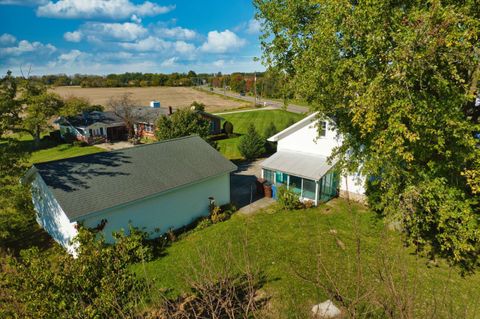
x=400, y=80
x=228, y=128
x=251, y=144
x=197, y=106
x=287, y=199
x=74, y=105
x=96, y=284
x=183, y=122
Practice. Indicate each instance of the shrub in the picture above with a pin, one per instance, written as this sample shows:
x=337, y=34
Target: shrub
x=228, y=128
x=204, y=223
x=251, y=145
x=79, y=143
x=288, y=199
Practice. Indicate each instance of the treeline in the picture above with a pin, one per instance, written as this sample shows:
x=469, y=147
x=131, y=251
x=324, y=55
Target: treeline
x=136, y=79
x=269, y=84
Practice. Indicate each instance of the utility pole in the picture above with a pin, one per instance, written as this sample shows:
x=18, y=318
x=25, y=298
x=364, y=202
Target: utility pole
x=255, y=87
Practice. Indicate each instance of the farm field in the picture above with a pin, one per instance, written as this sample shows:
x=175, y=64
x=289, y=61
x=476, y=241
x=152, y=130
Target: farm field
x=261, y=120
x=177, y=97
x=291, y=247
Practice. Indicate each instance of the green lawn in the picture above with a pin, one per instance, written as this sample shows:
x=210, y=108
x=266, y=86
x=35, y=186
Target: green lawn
x=261, y=119
x=287, y=246
x=51, y=151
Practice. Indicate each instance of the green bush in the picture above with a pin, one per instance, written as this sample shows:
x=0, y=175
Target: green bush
x=204, y=223
x=288, y=199
x=228, y=128
x=251, y=145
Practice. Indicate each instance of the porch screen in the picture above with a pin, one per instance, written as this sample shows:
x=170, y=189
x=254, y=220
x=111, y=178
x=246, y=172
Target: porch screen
x=328, y=186
x=268, y=175
x=308, y=189
x=281, y=178
x=295, y=184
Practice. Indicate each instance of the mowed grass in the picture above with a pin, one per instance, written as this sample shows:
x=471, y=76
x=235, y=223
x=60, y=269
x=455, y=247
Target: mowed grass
x=261, y=120
x=51, y=151
x=291, y=247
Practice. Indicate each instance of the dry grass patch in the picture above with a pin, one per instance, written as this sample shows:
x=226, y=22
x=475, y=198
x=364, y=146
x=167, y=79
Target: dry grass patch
x=177, y=97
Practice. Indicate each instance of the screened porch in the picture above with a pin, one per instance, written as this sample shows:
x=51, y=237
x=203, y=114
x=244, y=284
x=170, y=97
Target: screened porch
x=308, y=175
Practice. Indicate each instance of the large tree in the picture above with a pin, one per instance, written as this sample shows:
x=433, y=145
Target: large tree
x=124, y=107
x=183, y=122
x=40, y=107
x=400, y=79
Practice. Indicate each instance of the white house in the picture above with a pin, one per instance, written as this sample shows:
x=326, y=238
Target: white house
x=155, y=187
x=301, y=162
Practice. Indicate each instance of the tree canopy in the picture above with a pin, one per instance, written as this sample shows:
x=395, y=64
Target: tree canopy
x=400, y=80
x=183, y=122
x=251, y=145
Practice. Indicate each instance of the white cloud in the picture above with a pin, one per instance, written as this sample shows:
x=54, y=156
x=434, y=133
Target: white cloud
x=25, y=46
x=178, y=33
x=88, y=9
x=75, y=36
x=168, y=63
x=253, y=26
x=221, y=42
x=70, y=56
x=148, y=44
x=99, y=32
x=136, y=19
x=183, y=47
x=219, y=63
x=7, y=39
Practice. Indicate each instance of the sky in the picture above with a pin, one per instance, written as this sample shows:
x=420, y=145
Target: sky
x=117, y=36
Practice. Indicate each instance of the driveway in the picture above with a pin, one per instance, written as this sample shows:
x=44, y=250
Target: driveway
x=242, y=182
x=115, y=146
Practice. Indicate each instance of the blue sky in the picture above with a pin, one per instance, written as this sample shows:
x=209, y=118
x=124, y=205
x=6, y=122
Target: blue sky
x=116, y=36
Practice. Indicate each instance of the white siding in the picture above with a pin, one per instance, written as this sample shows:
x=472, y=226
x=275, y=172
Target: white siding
x=50, y=215
x=174, y=209
x=306, y=140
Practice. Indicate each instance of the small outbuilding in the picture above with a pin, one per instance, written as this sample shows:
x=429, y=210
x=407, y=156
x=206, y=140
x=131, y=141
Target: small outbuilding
x=155, y=187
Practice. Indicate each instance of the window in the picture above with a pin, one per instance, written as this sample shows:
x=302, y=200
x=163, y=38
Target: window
x=295, y=184
x=309, y=189
x=322, y=129
x=268, y=175
x=281, y=178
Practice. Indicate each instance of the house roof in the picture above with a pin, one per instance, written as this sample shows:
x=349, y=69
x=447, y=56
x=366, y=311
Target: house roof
x=87, y=119
x=295, y=127
x=304, y=165
x=92, y=183
x=147, y=114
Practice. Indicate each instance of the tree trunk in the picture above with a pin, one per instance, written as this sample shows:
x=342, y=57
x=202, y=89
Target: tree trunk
x=36, y=137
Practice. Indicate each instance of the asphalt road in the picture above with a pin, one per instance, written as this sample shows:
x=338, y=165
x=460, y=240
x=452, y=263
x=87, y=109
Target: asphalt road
x=274, y=104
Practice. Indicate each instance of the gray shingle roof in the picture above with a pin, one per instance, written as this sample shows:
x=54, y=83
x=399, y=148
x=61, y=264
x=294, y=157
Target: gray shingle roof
x=304, y=165
x=91, y=183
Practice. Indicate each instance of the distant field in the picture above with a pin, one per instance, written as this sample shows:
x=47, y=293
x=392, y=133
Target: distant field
x=177, y=97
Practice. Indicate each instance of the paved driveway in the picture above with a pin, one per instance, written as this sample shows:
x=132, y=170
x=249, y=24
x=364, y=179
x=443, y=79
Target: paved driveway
x=243, y=189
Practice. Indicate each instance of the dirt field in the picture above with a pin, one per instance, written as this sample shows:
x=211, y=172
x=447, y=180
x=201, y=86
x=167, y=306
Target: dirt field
x=177, y=97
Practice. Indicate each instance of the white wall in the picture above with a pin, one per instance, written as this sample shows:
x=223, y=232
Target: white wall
x=306, y=140
x=170, y=210
x=50, y=215
x=353, y=184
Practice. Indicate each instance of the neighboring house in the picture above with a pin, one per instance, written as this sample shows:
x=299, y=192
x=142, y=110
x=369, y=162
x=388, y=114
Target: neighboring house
x=214, y=120
x=301, y=164
x=93, y=126
x=155, y=187
x=146, y=117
